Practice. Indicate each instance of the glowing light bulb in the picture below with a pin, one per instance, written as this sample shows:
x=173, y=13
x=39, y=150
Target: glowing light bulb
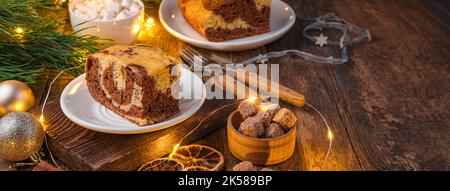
x=330, y=135
x=175, y=147
x=41, y=118
x=286, y=8
x=19, y=30
x=251, y=99
x=174, y=150
x=173, y=16
x=150, y=21
x=18, y=106
x=264, y=109
x=136, y=28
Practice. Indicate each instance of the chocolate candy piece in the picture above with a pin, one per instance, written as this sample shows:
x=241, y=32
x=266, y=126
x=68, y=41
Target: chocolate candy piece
x=274, y=130
x=264, y=117
x=252, y=127
x=286, y=118
x=244, y=166
x=247, y=109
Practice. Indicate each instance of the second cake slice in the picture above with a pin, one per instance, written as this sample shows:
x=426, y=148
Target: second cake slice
x=221, y=20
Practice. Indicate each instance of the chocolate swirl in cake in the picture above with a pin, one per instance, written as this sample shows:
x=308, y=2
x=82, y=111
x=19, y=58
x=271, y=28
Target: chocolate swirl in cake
x=134, y=82
x=221, y=20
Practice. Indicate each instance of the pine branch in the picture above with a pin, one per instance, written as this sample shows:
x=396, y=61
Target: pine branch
x=40, y=47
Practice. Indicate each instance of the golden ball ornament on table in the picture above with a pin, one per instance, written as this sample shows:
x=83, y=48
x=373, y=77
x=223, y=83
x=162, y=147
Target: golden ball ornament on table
x=21, y=135
x=15, y=96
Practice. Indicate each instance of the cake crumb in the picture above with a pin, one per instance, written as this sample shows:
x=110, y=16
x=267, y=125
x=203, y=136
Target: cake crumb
x=285, y=118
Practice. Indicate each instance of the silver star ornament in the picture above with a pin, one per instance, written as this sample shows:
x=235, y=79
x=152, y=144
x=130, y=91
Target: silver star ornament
x=321, y=40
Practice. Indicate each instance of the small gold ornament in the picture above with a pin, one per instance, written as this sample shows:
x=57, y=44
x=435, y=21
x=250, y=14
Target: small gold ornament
x=21, y=135
x=15, y=96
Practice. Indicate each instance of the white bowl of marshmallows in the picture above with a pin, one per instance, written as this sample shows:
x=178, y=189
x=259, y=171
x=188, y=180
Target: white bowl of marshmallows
x=119, y=20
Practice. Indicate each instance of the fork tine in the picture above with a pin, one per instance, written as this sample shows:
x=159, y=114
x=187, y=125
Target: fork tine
x=186, y=57
x=213, y=57
x=191, y=56
x=189, y=48
x=193, y=52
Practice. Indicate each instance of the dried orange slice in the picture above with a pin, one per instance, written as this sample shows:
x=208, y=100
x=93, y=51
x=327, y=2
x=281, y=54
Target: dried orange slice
x=196, y=168
x=199, y=155
x=162, y=164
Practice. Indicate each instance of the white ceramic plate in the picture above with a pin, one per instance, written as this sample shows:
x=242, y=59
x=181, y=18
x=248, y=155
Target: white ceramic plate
x=282, y=18
x=79, y=106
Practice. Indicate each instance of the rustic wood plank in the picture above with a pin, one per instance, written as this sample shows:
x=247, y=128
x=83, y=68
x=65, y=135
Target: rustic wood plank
x=83, y=149
x=388, y=106
x=389, y=96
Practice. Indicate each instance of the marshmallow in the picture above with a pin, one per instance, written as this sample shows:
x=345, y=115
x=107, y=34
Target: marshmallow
x=106, y=10
x=113, y=6
x=92, y=5
x=108, y=15
x=126, y=3
x=92, y=13
x=135, y=7
x=82, y=9
x=123, y=14
x=79, y=14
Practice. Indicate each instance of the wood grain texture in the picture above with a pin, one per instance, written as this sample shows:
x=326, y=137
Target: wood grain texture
x=388, y=107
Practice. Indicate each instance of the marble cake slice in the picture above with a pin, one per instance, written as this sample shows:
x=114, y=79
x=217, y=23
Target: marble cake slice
x=222, y=20
x=133, y=82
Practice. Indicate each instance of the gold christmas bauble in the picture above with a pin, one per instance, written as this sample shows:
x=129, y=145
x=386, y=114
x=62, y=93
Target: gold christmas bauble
x=15, y=96
x=21, y=135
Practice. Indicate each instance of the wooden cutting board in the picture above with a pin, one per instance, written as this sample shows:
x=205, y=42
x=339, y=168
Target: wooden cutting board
x=81, y=149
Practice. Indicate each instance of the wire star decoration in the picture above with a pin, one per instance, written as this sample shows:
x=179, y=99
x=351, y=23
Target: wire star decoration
x=321, y=40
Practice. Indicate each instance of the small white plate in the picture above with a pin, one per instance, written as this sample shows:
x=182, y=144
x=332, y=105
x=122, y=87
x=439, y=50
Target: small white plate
x=79, y=106
x=282, y=18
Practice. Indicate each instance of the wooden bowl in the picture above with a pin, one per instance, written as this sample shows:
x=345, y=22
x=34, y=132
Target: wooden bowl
x=260, y=151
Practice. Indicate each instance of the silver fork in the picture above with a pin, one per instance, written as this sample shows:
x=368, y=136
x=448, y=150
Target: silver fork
x=193, y=58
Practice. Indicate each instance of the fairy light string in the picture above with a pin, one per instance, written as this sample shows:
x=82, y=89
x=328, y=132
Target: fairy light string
x=41, y=117
x=327, y=21
x=330, y=135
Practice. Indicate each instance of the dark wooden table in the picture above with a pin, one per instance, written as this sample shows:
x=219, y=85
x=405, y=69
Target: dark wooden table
x=389, y=107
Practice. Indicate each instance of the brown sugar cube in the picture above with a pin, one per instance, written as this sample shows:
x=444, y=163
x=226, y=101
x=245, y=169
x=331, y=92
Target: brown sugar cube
x=244, y=166
x=285, y=118
x=274, y=130
x=252, y=127
x=247, y=109
x=264, y=117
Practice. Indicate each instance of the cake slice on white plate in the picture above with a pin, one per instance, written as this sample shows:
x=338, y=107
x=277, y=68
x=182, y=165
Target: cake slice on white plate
x=133, y=82
x=222, y=20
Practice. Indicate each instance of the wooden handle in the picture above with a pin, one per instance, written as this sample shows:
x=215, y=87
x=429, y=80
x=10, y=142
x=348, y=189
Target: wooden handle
x=286, y=95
